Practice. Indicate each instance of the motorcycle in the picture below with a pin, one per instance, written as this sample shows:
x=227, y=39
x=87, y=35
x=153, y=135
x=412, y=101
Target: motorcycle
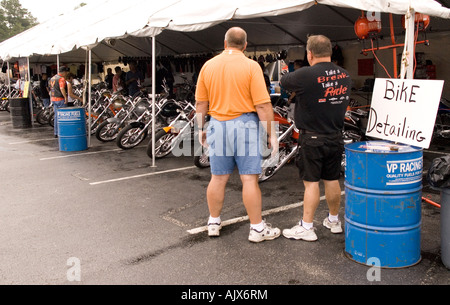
x=109, y=129
x=43, y=115
x=442, y=125
x=6, y=93
x=355, y=125
x=288, y=136
x=201, y=156
x=180, y=128
x=137, y=131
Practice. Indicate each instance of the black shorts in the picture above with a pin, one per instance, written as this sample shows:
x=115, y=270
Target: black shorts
x=320, y=157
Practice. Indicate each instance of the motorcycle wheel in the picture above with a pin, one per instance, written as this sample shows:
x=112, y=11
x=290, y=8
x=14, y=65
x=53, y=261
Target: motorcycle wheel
x=163, y=141
x=42, y=117
x=129, y=137
x=51, y=119
x=94, y=124
x=106, y=132
x=203, y=160
x=285, y=155
x=269, y=169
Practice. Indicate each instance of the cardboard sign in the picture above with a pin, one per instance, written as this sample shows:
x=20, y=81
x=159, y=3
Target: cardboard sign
x=26, y=89
x=404, y=110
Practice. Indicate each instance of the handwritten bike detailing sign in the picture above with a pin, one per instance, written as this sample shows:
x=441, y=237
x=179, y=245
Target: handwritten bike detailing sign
x=404, y=111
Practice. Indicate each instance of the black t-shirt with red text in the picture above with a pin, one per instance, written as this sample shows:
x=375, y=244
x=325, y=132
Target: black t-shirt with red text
x=322, y=96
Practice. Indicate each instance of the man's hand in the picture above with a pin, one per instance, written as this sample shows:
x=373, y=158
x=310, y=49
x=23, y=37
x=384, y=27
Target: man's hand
x=266, y=116
x=201, y=111
x=202, y=138
x=274, y=145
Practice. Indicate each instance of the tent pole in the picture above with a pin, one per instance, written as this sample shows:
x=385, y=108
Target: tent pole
x=89, y=95
x=57, y=63
x=84, y=83
x=9, y=80
x=394, y=50
x=153, y=98
x=411, y=43
x=84, y=80
x=30, y=97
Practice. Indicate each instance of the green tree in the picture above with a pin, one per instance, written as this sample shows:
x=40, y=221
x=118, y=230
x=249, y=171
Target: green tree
x=14, y=19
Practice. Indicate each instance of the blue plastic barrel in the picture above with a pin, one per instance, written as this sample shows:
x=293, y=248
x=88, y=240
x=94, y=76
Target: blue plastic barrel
x=383, y=218
x=72, y=129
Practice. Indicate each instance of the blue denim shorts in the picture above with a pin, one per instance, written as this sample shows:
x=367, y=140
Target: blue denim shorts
x=235, y=143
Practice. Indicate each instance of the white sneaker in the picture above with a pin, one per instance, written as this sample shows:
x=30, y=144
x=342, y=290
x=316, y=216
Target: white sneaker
x=268, y=233
x=214, y=229
x=299, y=232
x=335, y=227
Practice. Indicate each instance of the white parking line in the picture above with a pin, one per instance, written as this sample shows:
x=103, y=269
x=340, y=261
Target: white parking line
x=245, y=218
x=33, y=141
x=144, y=175
x=80, y=155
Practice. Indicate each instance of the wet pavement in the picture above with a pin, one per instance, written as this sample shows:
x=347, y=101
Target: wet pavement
x=125, y=222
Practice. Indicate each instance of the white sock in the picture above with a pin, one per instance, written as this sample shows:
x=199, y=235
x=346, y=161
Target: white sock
x=259, y=227
x=333, y=218
x=306, y=225
x=214, y=220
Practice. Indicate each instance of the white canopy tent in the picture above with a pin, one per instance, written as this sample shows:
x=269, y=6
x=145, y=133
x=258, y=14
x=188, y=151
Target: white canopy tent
x=114, y=28
x=99, y=22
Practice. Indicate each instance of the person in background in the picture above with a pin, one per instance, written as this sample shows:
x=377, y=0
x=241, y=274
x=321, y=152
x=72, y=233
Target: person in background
x=297, y=65
x=322, y=96
x=44, y=90
x=109, y=79
x=118, y=80
x=58, y=89
x=231, y=88
x=266, y=77
x=72, y=96
x=133, y=79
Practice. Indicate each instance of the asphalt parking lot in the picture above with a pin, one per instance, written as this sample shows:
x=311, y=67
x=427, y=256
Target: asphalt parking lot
x=121, y=221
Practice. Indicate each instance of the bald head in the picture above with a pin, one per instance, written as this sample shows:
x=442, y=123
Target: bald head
x=320, y=46
x=236, y=38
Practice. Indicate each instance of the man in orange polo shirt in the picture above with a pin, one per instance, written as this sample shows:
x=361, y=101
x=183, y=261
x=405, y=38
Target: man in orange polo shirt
x=231, y=88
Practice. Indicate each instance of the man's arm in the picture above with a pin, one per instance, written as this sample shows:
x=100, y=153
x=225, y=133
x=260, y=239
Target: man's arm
x=290, y=82
x=64, y=93
x=266, y=116
x=202, y=109
x=71, y=94
x=62, y=86
x=129, y=79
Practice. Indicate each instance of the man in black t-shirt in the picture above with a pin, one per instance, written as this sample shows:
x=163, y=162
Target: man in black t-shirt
x=44, y=90
x=322, y=96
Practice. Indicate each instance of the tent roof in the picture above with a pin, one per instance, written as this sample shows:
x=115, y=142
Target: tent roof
x=113, y=28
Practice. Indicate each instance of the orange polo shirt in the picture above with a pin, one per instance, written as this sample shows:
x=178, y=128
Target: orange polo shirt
x=232, y=84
